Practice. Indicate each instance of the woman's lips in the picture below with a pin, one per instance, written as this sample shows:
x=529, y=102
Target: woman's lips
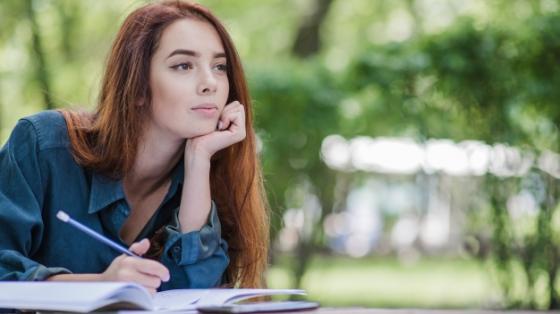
x=206, y=110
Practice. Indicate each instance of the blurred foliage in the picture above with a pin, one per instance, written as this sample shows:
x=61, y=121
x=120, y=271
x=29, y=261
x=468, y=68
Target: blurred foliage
x=485, y=70
x=494, y=84
x=295, y=110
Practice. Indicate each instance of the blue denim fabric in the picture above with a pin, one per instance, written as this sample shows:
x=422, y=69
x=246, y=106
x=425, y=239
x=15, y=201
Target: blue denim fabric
x=39, y=177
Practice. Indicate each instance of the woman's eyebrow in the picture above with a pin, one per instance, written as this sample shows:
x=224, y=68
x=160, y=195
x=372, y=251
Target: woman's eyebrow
x=193, y=53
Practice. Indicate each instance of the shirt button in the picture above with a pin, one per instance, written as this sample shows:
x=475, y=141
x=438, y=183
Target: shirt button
x=176, y=249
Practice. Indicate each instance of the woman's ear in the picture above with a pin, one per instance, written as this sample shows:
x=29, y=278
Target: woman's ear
x=142, y=102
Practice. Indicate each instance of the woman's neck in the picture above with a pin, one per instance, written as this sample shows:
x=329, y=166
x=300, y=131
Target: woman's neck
x=156, y=157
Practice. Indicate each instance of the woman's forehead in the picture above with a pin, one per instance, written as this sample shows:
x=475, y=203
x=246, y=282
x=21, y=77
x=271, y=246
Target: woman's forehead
x=193, y=35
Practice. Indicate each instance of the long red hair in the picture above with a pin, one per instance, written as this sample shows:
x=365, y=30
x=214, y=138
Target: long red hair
x=106, y=141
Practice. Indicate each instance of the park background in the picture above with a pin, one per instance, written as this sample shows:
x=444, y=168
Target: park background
x=410, y=147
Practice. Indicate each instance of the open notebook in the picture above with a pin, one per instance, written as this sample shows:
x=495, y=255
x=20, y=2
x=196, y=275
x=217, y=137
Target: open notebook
x=91, y=296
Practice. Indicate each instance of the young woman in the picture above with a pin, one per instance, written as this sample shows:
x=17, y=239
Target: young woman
x=166, y=165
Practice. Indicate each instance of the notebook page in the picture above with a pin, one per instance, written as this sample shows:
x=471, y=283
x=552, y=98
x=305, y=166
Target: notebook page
x=66, y=295
x=179, y=299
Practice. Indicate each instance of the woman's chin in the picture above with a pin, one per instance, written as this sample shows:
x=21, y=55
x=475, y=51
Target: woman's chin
x=201, y=131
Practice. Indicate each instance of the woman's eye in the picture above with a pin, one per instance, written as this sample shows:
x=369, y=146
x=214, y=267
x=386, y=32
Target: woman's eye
x=182, y=66
x=221, y=67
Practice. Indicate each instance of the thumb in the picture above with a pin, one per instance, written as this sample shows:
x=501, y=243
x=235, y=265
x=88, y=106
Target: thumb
x=141, y=247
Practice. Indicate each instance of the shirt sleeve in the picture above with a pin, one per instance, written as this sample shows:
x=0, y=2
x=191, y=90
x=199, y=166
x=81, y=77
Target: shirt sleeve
x=21, y=199
x=196, y=259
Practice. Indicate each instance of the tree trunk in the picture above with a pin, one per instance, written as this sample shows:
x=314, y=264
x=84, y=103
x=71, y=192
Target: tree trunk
x=418, y=28
x=69, y=15
x=39, y=55
x=553, y=258
x=304, y=255
x=308, y=40
x=330, y=197
x=500, y=235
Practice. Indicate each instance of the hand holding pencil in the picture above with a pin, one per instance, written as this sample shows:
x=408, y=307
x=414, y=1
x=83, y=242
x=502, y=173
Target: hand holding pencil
x=146, y=272
x=128, y=267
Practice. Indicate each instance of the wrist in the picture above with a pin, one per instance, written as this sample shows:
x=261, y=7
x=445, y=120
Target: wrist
x=196, y=153
x=197, y=159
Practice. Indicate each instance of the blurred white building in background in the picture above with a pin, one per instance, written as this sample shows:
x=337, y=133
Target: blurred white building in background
x=414, y=194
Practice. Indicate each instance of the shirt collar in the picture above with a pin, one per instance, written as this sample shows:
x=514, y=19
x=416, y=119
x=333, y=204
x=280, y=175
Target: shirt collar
x=105, y=191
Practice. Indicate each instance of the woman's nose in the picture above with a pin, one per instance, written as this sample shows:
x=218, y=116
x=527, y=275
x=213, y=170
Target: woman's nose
x=207, y=83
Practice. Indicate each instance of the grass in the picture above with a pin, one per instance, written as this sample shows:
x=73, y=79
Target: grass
x=384, y=282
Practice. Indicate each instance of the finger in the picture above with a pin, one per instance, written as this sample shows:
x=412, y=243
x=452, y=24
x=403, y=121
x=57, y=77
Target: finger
x=150, y=282
x=140, y=248
x=119, y=258
x=237, y=120
x=224, y=122
x=133, y=268
x=236, y=116
x=232, y=104
x=152, y=268
x=225, y=119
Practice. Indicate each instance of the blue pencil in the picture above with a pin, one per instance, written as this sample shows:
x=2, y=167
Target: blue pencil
x=66, y=218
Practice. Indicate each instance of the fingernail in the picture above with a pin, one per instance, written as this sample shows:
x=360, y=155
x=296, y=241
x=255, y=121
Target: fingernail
x=220, y=124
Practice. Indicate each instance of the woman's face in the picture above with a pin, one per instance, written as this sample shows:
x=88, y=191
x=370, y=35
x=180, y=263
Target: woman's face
x=188, y=80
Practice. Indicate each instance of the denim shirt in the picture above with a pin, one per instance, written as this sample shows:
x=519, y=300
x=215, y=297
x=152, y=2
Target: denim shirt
x=39, y=177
